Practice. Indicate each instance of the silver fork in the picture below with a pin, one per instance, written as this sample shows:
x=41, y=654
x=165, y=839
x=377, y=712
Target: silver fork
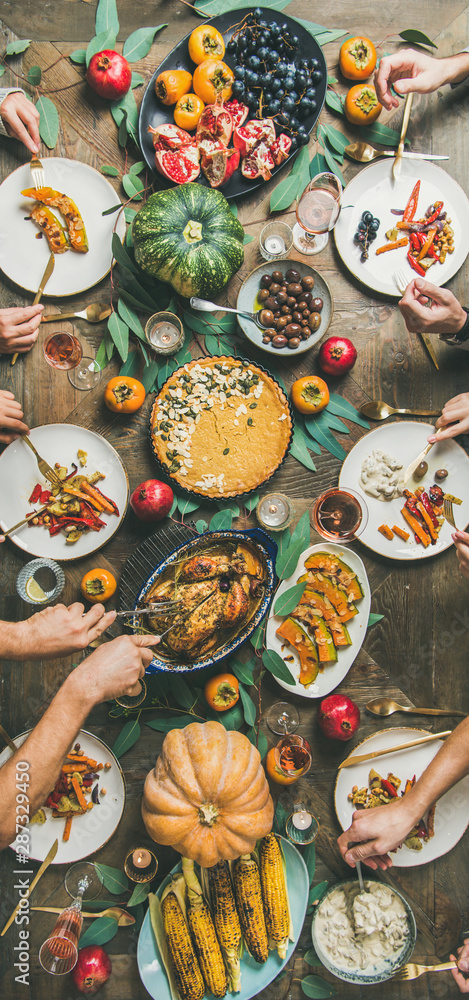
x=168, y=607
x=37, y=172
x=401, y=281
x=204, y=306
x=412, y=971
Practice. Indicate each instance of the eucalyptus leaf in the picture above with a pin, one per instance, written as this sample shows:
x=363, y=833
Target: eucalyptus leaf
x=110, y=211
x=120, y=334
x=309, y=858
x=165, y=725
x=331, y=80
x=19, y=45
x=373, y=619
x=101, y=358
x=127, y=105
x=130, y=317
x=258, y=740
x=48, y=121
x=149, y=375
x=34, y=75
x=104, y=40
x=201, y=526
x=325, y=420
x=136, y=168
x=129, y=213
x=173, y=506
x=249, y=707
x=324, y=437
x=334, y=102
x=109, y=170
x=139, y=894
x=78, y=56
x=285, y=193
x=139, y=43
x=338, y=156
x=131, y=365
x=275, y=665
x=2, y=71
x=336, y=138
x=114, y=879
x=122, y=133
x=123, y=257
x=251, y=502
x=417, y=37
x=342, y=408
x=221, y=521
x=133, y=186
x=101, y=929
x=257, y=637
x=137, y=80
x=187, y=506
x=168, y=368
x=106, y=17
x=311, y=958
x=195, y=323
x=181, y=692
x=230, y=505
x=287, y=561
x=323, y=37
x=242, y=671
x=285, y=604
x=317, y=988
x=211, y=8
x=379, y=133
x=247, y=239
x=280, y=819
x=213, y=345
x=299, y=450
x=301, y=532
x=317, y=165
x=333, y=165
x=128, y=735
x=317, y=892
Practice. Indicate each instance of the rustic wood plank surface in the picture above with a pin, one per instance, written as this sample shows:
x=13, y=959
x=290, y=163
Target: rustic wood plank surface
x=417, y=653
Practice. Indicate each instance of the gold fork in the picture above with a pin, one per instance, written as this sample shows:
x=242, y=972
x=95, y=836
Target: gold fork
x=37, y=172
x=412, y=971
x=44, y=467
x=401, y=281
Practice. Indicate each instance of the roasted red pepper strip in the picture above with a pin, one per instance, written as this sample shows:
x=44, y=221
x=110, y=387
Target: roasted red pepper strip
x=437, y=207
x=416, y=266
x=35, y=495
x=431, y=252
x=427, y=244
x=103, y=495
x=425, y=501
x=72, y=473
x=411, y=206
x=389, y=788
x=45, y=496
x=415, y=241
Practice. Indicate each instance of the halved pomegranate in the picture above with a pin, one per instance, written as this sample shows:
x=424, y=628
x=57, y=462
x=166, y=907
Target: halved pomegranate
x=250, y=168
x=247, y=137
x=215, y=122
x=280, y=148
x=265, y=160
x=238, y=111
x=218, y=162
x=179, y=166
x=169, y=136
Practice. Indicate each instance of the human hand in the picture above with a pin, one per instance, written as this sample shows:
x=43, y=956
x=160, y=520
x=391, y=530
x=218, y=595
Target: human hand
x=21, y=120
x=115, y=667
x=461, y=541
x=444, y=314
x=60, y=631
x=11, y=419
x=455, y=413
x=375, y=832
x=19, y=328
x=409, y=70
x=463, y=966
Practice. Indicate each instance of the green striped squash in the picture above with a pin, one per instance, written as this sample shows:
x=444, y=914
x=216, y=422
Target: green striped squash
x=188, y=237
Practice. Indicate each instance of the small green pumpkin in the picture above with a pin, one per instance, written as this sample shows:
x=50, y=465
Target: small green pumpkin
x=189, y=237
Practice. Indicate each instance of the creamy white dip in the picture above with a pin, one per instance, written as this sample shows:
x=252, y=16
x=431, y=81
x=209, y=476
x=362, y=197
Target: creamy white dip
x=362, y=931
x=382, y=476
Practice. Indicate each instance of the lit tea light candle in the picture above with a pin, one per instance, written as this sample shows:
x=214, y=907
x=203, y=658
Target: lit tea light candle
x=141, y=865
x=275, y=512
x=301, y=827
x=301, y=820
x=164, y=332
x=141, y=859
x=275, y=240
x=274, y=245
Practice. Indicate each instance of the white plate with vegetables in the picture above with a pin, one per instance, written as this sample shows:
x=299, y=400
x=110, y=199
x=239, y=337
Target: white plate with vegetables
x=254, y=977
x=89, y=832
x=23, y=257
x=403, y=440
x=452, y=809
x=340, y=635
x=374, y=190
x=19, y=474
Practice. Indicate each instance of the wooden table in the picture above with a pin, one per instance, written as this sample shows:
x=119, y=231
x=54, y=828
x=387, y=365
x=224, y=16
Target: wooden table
x=418, y=651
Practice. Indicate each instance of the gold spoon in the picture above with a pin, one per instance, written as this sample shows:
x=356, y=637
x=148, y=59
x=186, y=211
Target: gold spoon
x=123, y=918
x=93, y=313
x=364, y=153
x=376, y=409
x=386, y=706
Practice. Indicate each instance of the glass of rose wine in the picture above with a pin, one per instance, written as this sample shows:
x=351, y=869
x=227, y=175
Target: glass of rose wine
x=64, y=351
x=293, y=756
x=59, y=953
x=339, y=515
x=317, y=212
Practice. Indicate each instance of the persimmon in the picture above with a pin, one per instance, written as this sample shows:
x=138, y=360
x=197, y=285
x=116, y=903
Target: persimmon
x=124, y=394
x=310, y=394
x=188, y=111
x=222, y=692
x=273, y=769
x=361, y=104
x=357, y=58
x=211, y=78
x=172, y=84
x=98, y=585
x=206, y=42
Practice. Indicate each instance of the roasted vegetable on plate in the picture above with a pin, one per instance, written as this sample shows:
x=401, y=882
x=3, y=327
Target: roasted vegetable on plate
x=381, y=792
x=74, y=507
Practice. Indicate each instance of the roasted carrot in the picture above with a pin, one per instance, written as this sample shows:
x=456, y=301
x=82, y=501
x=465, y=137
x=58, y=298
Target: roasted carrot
x=428, y=521
x=76, y=493
x=70, y=768
x=97, y=497
x=386, y=531
x=80, y=759
x=400, y=531
x=79, y=794
x=394, y=245
x=417, y=528
x=67, y=828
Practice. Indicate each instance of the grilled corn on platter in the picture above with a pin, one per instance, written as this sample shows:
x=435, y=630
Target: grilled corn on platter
x=206, y=916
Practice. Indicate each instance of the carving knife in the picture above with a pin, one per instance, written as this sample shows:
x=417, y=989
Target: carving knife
x=350, y=761
x=38, y=296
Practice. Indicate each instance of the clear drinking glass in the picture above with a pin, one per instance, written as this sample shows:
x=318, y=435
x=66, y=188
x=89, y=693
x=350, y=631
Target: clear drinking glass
x=275, y=241
x=282, y=718
x=64, y=351
x=339, y=515
x=317, y=212
x=59, y=953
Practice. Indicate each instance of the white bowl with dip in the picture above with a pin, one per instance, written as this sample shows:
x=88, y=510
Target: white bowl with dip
x=383, y=946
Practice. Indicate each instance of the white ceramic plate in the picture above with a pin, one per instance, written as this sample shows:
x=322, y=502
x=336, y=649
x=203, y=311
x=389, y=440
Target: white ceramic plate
x=19, y=474
x=452, y=810
x=254, y=977
x=23, y=258
x=247, y=297
x=333, y=674
x=374, y=189
x=89, y=832
x=404, y=440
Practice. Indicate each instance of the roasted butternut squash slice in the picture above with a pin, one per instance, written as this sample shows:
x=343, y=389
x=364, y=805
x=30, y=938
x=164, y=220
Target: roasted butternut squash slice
x=74, y=222
x=324, y=585
x=340, y=573
x=53, y=231
x=294, y=634
x=321, y=633
x=321, y=605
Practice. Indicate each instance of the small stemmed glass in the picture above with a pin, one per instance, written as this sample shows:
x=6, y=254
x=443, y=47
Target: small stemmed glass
x=317, y=212
x=282, y=718
x=59, y=953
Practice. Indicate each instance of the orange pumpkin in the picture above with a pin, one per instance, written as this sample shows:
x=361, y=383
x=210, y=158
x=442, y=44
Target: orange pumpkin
x=207, y=796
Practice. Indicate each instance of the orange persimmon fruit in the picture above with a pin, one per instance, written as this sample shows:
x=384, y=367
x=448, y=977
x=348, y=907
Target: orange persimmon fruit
x=206, y=42
x=357, y=58
x=361, y=104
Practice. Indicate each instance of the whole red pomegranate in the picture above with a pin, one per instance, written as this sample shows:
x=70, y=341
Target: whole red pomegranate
x=337, y=356
x=339, y=717
x=92, y=969
x=152, y=500
x=109, y=74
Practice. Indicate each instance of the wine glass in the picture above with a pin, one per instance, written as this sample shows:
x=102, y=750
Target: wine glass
x=317, y=212
x=293, y=756
x=282, y=718
x=59, y=953
x=64, y=351
x=337, y=515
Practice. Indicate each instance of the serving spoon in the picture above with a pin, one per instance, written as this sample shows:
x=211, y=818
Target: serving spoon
x=386, y=706
x=94, y=313
x=364, y=153
x=376, y=409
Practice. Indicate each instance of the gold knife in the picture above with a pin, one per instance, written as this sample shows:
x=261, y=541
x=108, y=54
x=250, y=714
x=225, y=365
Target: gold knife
x=38, y=296
x=45, y=864
x=396, y=167
x=25, y=520
x=8, y=741
x=428, y=343
x=350, y=761
x=413, y=465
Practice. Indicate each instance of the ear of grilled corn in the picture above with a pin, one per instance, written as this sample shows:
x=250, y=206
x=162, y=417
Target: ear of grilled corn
x=247, y=887
x=203, y=934
x=226, y=920
x=186, y=968
x=274, y=893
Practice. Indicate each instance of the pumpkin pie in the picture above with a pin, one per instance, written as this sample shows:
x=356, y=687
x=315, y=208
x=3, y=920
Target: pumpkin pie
x=220, y=427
